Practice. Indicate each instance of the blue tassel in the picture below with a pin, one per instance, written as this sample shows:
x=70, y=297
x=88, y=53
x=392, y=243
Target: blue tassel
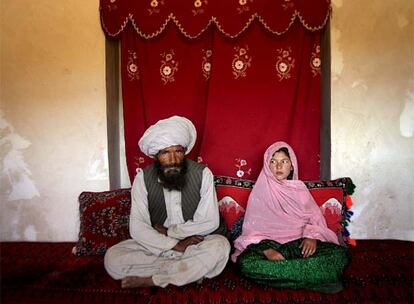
x=346, y=232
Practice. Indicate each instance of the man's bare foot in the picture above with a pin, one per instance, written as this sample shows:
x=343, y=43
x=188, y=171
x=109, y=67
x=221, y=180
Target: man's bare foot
x=132, y=282
x=273, y=255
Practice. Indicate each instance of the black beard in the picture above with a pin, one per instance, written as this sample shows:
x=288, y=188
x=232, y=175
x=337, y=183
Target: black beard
x=172, y=177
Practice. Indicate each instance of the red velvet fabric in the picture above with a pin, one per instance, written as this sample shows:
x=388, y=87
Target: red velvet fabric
x=33, y=272
x=247, y=73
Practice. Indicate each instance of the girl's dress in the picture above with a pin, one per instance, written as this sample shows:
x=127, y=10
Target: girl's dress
x=279, y=215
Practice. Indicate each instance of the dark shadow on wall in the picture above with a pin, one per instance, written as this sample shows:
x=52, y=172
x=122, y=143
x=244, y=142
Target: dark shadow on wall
x=325, y=132
x=113, y=102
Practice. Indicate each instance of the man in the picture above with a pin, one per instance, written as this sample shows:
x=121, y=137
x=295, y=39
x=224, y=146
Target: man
x=177, y=235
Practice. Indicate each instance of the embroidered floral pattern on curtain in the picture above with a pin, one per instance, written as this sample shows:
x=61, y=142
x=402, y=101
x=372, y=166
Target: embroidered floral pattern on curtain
x=246, y=72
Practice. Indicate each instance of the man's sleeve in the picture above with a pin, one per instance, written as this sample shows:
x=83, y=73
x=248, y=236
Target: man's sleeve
x=140, y=226
x=206, y=218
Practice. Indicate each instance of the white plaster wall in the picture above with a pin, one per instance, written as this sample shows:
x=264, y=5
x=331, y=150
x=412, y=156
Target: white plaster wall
x=373, y=113
x=52, y=116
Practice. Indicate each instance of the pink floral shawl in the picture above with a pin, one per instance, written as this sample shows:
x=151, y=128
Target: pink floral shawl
x=282, y=211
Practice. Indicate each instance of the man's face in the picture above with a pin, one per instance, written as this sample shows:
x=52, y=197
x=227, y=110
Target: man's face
x=171, y=167
x=171, y=158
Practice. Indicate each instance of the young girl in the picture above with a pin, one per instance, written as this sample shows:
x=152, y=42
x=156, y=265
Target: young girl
x=285, y=241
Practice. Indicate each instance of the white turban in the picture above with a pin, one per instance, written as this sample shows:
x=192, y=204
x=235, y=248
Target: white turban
x=172, y=131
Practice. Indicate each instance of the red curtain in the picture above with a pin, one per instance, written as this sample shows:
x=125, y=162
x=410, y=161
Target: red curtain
x=246, y=72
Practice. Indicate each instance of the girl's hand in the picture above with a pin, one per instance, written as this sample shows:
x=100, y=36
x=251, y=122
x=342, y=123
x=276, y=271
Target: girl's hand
x=308, y=247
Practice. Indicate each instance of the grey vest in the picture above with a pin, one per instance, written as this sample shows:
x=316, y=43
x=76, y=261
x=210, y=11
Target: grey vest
x=190, y=194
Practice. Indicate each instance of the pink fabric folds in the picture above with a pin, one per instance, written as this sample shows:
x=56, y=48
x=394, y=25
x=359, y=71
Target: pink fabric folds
x=282, y=211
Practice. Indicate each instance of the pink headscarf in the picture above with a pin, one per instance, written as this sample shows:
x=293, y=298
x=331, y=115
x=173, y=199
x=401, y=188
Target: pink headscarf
x=282, y=211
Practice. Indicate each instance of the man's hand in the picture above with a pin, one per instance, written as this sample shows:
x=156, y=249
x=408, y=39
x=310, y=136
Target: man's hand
x=161, y=229
x=191, y=240
x=308, y=247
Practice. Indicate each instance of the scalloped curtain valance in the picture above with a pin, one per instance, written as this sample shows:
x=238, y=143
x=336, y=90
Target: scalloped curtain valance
x=246, y=72
x=194, y=17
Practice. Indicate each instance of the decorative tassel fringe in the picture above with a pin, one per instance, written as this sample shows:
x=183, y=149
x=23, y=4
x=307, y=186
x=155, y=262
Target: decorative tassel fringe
x=349, y=187
x=348, y=201
x=351, y=242
x=349, y=190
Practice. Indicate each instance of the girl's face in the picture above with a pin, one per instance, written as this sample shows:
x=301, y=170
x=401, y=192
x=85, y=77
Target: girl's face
x=280, y=165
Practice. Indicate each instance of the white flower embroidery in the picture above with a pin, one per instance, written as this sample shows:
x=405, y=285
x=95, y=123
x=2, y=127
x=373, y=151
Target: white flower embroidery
x=132, y=66
x=168, y=67
x=241, y=62
x=206, y=63
x=207, y=66
x=315, y=61
x=239, y=65
x=283, y=67
x=166, y=71
x=198, y=7
x=284, y=63
x=240, y=163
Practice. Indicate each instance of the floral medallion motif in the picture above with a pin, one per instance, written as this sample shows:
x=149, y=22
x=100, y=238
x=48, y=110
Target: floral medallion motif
x=155, y=6
x=315, y=60
x=138, y=163
x=132, y=66
x=198, y=7
x=240, y=163
x=168, y=67
x=241, y=62
x=284, y=63
x=206, y=64
x=243, y=6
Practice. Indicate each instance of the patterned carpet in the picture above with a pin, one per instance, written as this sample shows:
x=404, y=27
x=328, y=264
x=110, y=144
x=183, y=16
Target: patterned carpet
x=381, y=271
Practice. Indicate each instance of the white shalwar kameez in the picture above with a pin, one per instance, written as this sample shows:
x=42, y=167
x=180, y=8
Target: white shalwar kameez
x=149, y=253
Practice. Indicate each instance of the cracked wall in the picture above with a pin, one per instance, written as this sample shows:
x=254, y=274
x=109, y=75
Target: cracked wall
x=373, y=113
x=52, y=116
